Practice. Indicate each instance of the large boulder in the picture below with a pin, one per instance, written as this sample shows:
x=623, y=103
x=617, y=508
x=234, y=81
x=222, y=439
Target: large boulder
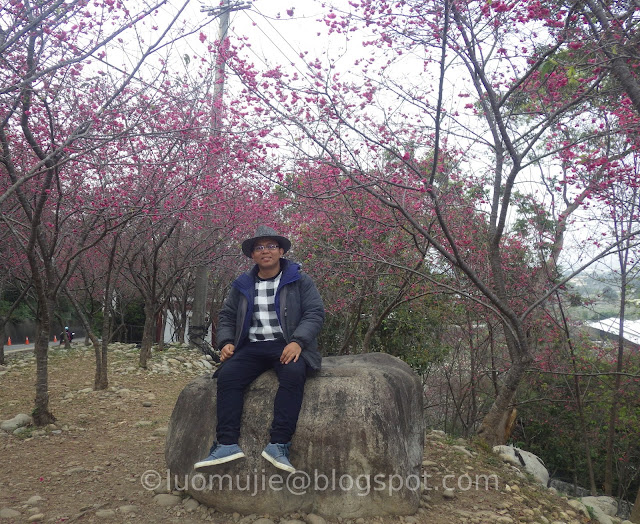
x=358, y=445
x=523, y=459
x=608, y=505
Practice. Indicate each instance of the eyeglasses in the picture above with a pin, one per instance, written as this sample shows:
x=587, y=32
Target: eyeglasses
x=270, y=247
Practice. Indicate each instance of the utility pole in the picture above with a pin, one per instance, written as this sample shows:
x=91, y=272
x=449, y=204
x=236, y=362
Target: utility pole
x=199, y=326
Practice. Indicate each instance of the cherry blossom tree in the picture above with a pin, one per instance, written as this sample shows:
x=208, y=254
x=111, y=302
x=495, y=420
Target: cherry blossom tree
x=68, y=72
x=503, y=100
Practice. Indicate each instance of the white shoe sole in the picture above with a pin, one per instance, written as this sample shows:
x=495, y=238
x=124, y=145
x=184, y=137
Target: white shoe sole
x=277, y=464
x=215, y=462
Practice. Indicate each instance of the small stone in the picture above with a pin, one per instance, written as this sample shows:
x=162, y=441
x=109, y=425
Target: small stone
x=128, y=509
x=162, y=488
x=147, y=404
x=311, y=518
x=448, y=494
x=263, y=520
x=8, y=513
x=36, y=518
x=105, y=513
x=463, y=450
x=34, y=500
x=429, y=463
x=143, y=423
x=190, y=504
x=71, y=471
x=167, y=500
x=160, y=432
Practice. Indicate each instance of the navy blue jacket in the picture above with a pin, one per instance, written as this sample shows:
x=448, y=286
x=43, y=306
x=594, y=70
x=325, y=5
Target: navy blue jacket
x=298, y=305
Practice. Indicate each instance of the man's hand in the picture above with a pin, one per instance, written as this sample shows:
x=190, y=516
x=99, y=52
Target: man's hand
x=291, y=352
x=227, y=352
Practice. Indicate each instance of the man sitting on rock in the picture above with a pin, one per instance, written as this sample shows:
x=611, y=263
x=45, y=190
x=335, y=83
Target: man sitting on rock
x=271, y=319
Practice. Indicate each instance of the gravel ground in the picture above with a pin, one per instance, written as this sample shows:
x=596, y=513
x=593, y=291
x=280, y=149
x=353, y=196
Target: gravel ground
x=91, y=466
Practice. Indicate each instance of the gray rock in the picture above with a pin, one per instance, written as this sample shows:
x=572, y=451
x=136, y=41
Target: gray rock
x=105, y=513
x=8, y=513
x=463, y=450
x=37, y=517
x=72, y=471
x=524, y=460
x=162, y=487
x=166, y=500
x=358, y=445
x=16, y=422
x=608, y=505
x=314, y=519
x=128, y=509
x=34, y=500
x=578, y=506
x=568, y=488
x=263, y=520
x=190, y=504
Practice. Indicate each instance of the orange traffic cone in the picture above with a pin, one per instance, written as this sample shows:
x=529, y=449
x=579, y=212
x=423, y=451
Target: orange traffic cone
x=27, y=340
x=9, y=342
x=55, y=339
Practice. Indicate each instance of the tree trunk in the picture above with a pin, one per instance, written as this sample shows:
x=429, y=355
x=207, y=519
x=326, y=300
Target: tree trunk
x=2, y=332
x=613, y=414
x=635, y=514
x=494, y=424
x=147, y=335
x=163, y=326
x=197, y=328
x=41, y=414
x=101, y=381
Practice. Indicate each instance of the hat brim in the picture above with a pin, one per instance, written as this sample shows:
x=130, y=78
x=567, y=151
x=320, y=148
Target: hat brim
x=247, y=245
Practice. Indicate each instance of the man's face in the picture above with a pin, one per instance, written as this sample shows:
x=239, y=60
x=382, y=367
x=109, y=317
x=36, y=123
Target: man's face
x=266, y=253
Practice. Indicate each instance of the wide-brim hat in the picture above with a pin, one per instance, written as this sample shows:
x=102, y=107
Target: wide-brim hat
x=265, y=232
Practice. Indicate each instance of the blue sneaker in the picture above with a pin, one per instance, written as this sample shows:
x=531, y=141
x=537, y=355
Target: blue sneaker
x=278, y=455
x=219, y=454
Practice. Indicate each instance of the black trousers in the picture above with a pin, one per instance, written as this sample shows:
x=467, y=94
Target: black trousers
x=248, y=362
